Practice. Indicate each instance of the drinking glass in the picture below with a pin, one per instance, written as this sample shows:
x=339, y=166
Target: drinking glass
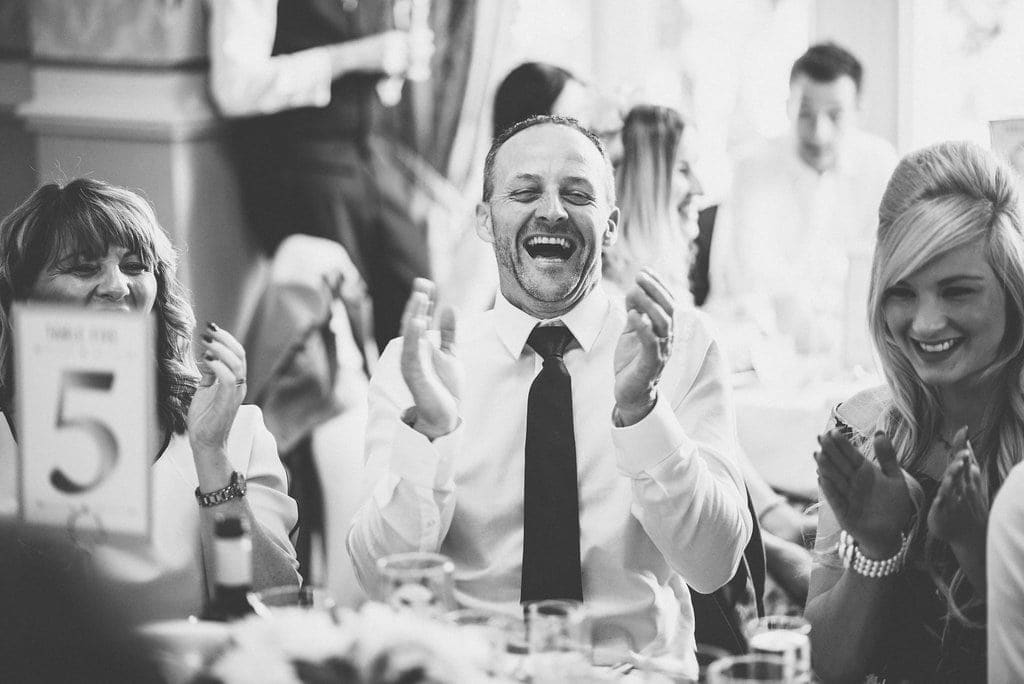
x=787, y=636
x=559, y=640
x=180, y=648
x=418, y=582
x=497, y=630
x=284, y=600
x=748, y=669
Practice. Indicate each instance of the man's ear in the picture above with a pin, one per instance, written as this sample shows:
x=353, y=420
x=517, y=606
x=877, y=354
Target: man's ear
x=792, y=105
x=483, y=222
x=611, y=233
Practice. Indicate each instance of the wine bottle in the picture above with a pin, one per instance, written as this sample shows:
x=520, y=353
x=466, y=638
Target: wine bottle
x=232, y=559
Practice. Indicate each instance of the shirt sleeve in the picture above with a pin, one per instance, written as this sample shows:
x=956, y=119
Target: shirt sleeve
x=245, y=79
x=688, y=492
x=409, y=481
x=1005, y=551
x=267, y=487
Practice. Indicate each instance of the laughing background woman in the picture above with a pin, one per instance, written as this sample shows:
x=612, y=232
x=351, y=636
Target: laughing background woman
x=98, y=246
x=907, y=471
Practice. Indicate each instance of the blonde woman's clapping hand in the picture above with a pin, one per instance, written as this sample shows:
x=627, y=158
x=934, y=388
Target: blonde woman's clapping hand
x=871, y=502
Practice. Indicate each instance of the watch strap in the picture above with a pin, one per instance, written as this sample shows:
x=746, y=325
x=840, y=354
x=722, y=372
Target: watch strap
x=235, y=489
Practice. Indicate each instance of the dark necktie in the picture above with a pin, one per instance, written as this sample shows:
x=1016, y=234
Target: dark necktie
x=551, y=515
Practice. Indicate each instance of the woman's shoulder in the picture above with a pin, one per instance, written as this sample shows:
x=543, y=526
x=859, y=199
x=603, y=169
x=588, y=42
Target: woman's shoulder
x=860, y=413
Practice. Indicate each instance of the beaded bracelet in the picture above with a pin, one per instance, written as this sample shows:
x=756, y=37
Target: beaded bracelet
x=850, y=553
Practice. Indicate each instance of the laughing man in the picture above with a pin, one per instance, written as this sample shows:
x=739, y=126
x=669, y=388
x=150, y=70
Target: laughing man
x=633, y=495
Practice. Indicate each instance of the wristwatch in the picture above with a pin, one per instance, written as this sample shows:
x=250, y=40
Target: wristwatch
x=235, y=489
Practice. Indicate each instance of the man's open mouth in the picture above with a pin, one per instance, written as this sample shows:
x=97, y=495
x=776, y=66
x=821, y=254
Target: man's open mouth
x=549, y=247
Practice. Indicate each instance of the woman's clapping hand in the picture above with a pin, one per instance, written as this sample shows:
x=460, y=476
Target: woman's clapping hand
x=220, y=392
x=960, y=510
x=871, y=502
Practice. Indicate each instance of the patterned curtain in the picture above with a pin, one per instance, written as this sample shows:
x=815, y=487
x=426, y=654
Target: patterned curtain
x=427, y=118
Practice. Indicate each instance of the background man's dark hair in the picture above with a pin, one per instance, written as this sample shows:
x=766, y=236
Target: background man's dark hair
x=825, y=62
x=529, y=90
x=503, y=137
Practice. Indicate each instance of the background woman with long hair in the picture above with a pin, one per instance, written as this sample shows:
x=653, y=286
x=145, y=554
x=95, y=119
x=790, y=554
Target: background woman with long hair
x=908, y=470
x=656, y=191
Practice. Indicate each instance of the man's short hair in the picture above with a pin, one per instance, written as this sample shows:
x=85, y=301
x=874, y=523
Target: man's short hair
x=825, y=62
x=566, y=121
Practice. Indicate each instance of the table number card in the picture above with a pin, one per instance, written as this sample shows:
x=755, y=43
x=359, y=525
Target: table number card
x=85, y=397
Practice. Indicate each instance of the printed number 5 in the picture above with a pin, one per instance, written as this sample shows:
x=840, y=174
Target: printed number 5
x=106, y=444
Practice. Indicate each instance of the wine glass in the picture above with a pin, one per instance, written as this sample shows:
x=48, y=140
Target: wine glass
x=559, y=640
x=277, y=601
x=748, y=669
x=787, y=636
x=499, y=631
x=418, y=582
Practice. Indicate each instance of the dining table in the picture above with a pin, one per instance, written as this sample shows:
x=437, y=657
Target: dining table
x=779, y=416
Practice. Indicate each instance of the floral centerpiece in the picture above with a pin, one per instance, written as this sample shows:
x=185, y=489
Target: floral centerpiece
x=374, y=646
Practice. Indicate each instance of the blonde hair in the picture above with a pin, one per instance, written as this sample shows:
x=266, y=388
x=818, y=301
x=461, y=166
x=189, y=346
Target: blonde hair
x=939, y=199
x=651, y=230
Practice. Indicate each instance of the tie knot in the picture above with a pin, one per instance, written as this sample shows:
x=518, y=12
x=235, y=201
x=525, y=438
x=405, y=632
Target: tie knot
x=550, y=340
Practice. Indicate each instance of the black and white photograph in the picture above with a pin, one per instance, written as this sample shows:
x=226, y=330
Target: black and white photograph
x=511, y=341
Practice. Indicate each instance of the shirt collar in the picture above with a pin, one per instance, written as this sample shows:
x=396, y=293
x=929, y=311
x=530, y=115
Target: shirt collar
x=584, y=321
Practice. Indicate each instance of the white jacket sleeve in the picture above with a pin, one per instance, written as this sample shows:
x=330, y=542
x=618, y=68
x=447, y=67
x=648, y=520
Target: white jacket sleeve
x=1005, y=563
x=267, y=483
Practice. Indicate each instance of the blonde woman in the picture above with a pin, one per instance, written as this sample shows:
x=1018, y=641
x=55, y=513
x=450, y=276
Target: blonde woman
x=908, y=470
x=657, y=192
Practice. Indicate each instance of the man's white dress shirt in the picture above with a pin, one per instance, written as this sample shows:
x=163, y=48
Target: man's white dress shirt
x=787, y=236
x=660, y=499
x=1005, y=569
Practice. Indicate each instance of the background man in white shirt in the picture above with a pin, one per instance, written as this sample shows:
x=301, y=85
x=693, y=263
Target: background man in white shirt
x=796, y=232
x=661, y=499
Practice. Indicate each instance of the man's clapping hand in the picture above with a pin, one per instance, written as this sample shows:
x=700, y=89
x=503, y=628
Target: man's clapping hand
x=432, y=372
x=643, y=348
